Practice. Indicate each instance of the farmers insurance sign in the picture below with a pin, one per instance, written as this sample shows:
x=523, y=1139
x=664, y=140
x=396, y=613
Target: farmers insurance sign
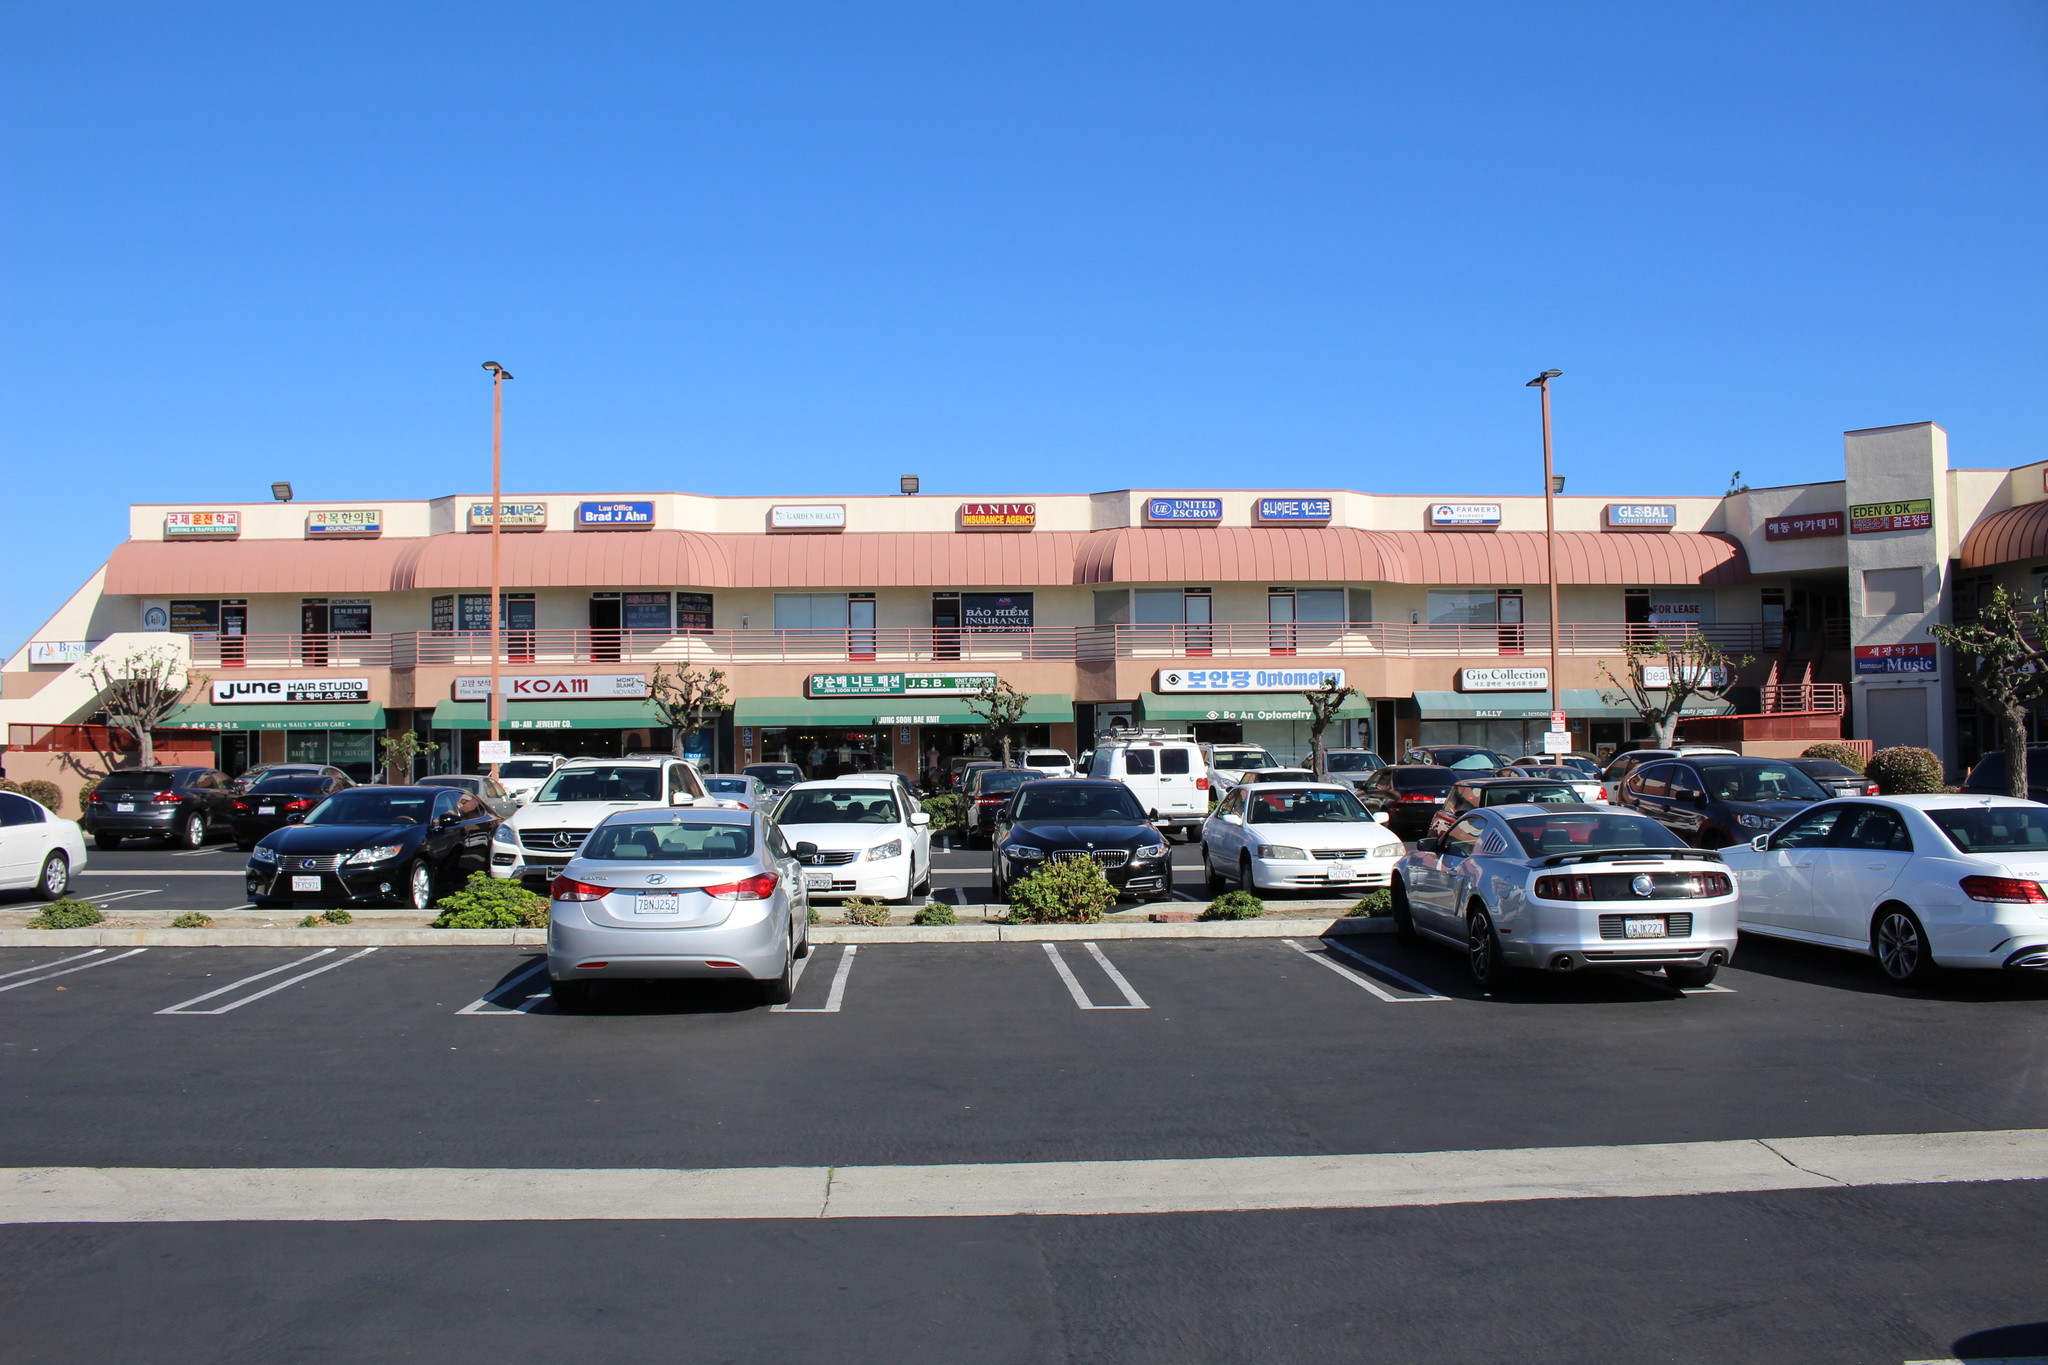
x=245, y=690
x=1205, y=679
x=558, y=687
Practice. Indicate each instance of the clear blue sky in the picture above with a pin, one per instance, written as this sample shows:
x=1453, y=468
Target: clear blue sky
x=748, y=248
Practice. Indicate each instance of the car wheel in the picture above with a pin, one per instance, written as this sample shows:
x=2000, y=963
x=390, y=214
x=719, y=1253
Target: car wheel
x=1214, y=884
x=569, y=995
x=1404, y=917
x=56, y=877
x=1900, y=943
x=778, y=990
x=419, y=885
x=1489, y=970
x=803, y=943
x=1244, y=873
x=103, y=842
x=192, y=834
x=1691, y=978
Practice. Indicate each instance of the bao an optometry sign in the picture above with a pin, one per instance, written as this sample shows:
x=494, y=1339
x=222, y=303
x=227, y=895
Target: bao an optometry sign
x=512, y=516
x=243, y=691
x=1503, y=680
x=558, y=687
x=1206, y=679
x=896, y=685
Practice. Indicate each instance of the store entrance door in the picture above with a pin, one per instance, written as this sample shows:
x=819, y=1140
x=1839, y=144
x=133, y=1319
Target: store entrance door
x=604, y=627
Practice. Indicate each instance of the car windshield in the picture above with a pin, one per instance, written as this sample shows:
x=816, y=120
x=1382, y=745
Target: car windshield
x=526, y=767
x=1304, y=807
x=641, y=841
x=1354, y=763
x=294, y=783
x=1543, y=835
x=1005, y=780
x=1465, y=758
x=1246, y=759
x=837, y=806
x=137, y=782
x=1994, y=829
x=1539, y=793
x=1052, y=802
x=1554, y=774
x=369, y=806
x=1759, y=782
x=602, y=784
x=783, y=773
x=726, y=784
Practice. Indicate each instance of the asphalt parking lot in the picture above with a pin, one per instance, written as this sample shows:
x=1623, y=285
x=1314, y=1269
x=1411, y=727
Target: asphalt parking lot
x=907, y=1055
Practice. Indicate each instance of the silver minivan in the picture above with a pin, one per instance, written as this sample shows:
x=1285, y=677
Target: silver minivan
x=714, y=894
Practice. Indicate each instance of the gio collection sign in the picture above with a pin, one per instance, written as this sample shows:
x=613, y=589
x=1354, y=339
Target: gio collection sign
x=1205, y=679
x=558, y=687
x=1503, y=679
x=243, y=691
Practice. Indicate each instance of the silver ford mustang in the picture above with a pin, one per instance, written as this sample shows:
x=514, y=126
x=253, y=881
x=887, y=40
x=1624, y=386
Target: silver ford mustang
x=1566, y=888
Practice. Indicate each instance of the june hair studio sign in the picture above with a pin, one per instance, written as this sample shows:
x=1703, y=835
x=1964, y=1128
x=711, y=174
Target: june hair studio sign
x=245, y=691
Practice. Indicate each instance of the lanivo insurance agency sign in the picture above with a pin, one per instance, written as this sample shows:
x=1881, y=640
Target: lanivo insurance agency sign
x=1192, y=678
x=243, y=691
x=557, y=687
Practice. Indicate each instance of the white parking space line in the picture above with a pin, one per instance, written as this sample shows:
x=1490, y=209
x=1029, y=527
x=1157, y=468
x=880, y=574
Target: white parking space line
x=1353, y=977
x=163, y=872
x=24, y=971
x=1073, y=983
x=1384, y=970
x=212, y=852
x=83, y=966
x=834, y=997
x=1707, y=990
x=488, y=1004
x=102, y=897
x=185, y=1007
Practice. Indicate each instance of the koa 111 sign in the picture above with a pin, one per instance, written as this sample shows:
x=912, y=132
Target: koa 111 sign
x=558, y=687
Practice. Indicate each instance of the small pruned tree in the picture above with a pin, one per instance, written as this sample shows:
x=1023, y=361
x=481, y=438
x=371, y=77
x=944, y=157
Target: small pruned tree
x=689, y=699
x=1323, y=705
x=141, y=691
x=1001, y=708
x=2008, y=670
x=400, y=752
x=1665, y=672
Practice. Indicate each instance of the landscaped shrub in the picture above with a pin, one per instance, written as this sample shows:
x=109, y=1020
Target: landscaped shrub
x=67, y=914
x=1370, y=904
x=938, y=912
x=948, y=812
x=8, y=784
x=1846, y=755
x=311, y=922
x=488, y=902
x=337, y=917
x=813, y=916
x=1062, y=891
x=46, y=794
x=1905, y=771
x=1235, y=905
x=864, y=910
x=193, y=919
x=85, y=795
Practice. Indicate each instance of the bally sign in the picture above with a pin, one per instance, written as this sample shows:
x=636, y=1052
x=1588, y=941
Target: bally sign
x=244, y=690
x=1503, y=679
x=998, y=516
x=558, y=687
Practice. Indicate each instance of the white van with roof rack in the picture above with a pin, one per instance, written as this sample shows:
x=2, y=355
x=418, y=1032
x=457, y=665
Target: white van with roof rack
x=1168, y=773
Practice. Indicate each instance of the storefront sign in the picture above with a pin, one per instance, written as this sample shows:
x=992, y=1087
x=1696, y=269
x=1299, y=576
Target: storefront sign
x=1503, y=679
x=614, y=516
x=998, y=516
x=58, y=651
x=1657, y=677
x=1184, y=510
x=512, y=516
x=996, y=610
x=896, y=685
x=1642, y=515
x=1803, y=526
x=558, y=687
x=345, y=523
x=1204, y=679
x=492, y=751
x=201, y=617
x=1295, y=509
x=807, y=518
x=1464, y=516
x=1868, y=517
x=202, y=525
x=290, y=689
x=1274, y=713
x=1882, y=659
x=906, y=720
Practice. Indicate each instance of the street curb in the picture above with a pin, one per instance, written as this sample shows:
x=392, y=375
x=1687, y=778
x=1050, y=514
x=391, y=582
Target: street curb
x=820, y=934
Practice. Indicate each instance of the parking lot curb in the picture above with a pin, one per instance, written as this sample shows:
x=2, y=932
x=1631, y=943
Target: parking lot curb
x=821, y=934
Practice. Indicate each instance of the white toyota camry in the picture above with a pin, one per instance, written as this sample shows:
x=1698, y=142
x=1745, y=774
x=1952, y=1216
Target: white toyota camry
x=38, y=848
x=868, y=840
x=1917, y=882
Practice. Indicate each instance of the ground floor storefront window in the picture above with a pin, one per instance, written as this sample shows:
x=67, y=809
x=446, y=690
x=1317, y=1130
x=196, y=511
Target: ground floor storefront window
x=352, y=751
x=940, y=745
x=454, y=751
x=827, y=752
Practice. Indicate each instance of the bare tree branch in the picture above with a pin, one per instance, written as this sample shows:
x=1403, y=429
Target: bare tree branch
x=688, y=700
x=1001, y=708
x=1323, y=705
x=142, y=691
x=1667, y=671
x=2008, y=671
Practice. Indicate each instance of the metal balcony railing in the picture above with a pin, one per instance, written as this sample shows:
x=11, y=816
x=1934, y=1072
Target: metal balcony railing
x=1804, y=697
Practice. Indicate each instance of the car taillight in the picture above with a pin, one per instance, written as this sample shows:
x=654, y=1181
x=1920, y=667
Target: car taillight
x=162, y=797
x=1603, y=793
x=751, y=889
x=1201, y=784
x=2007, y=890
x=569, y=889
x=241, y=807
x=1711, y=884
x=301, y=804
x=1870, y=789
x=95, y=798
x=1412, y=796
x=988, y=800
x=1564, y=888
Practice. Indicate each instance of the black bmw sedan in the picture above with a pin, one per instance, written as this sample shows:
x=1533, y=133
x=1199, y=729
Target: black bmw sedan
x=1081, y=818
x=368, y=845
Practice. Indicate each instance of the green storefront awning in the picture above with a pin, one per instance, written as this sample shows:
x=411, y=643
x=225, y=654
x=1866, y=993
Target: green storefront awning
x=541, y=715
x=1044, y=708
x=1241, y=706
x=1580, y=703
x=282, y=716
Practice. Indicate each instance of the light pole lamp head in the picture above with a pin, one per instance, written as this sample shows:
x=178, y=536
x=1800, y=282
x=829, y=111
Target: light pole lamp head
x=1557, y=483
x=908, y=483
x=1538, y=382
x=497, y=371
x=282, y=491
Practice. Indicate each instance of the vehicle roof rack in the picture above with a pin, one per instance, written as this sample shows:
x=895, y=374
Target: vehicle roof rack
x=1127, y=732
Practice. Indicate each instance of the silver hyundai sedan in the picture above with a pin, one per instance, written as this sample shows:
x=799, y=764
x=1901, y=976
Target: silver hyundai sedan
x=707, y=893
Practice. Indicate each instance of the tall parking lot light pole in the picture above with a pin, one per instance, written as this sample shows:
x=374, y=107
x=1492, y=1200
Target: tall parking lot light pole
x=499, y=374
x=1541, y=383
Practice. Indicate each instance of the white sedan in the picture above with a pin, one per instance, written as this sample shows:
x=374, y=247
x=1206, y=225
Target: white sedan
x=1301, y=835
x=1917, y=882
x=38, y=849
x=868, y=841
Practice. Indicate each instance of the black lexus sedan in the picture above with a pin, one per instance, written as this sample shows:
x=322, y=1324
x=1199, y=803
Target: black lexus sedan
x=275, y=802
x=1078, y=817
x=368, y=845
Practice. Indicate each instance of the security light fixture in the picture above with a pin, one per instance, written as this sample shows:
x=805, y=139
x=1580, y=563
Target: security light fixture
x=281, y=491
x=908, y=483
x=1557, y=483
x=1540, y=380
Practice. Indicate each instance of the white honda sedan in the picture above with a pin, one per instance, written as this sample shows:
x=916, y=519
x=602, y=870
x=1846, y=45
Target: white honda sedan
x=1304, y=835
x=1917, y=882
x=39, y=849
x=869, y=842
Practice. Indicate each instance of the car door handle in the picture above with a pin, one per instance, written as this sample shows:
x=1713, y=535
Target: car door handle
x=1875, y=867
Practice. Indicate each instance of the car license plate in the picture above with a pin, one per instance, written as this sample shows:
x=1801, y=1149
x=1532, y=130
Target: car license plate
x=266, y=810
x=658, y=903
x=1643, y=928
x=124, y=806
x=818, y=881
x=305, y=883
x=1344, y=872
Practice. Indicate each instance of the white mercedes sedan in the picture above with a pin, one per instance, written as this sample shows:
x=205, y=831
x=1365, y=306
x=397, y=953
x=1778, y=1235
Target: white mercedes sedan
x=1917, y=882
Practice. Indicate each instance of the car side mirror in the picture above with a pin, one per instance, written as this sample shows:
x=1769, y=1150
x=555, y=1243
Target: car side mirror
x=1428, y=845
x=806, y=849
x=1762, y=843
x=1152, y=814
x=920, y=818
x=681, y=799
x=1380, y=817
x=1232, y=818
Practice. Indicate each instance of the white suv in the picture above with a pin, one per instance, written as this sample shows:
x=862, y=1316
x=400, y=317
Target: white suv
x=1169, y=774
x=545, y=833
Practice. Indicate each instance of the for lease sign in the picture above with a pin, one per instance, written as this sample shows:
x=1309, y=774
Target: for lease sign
x=558, y=687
